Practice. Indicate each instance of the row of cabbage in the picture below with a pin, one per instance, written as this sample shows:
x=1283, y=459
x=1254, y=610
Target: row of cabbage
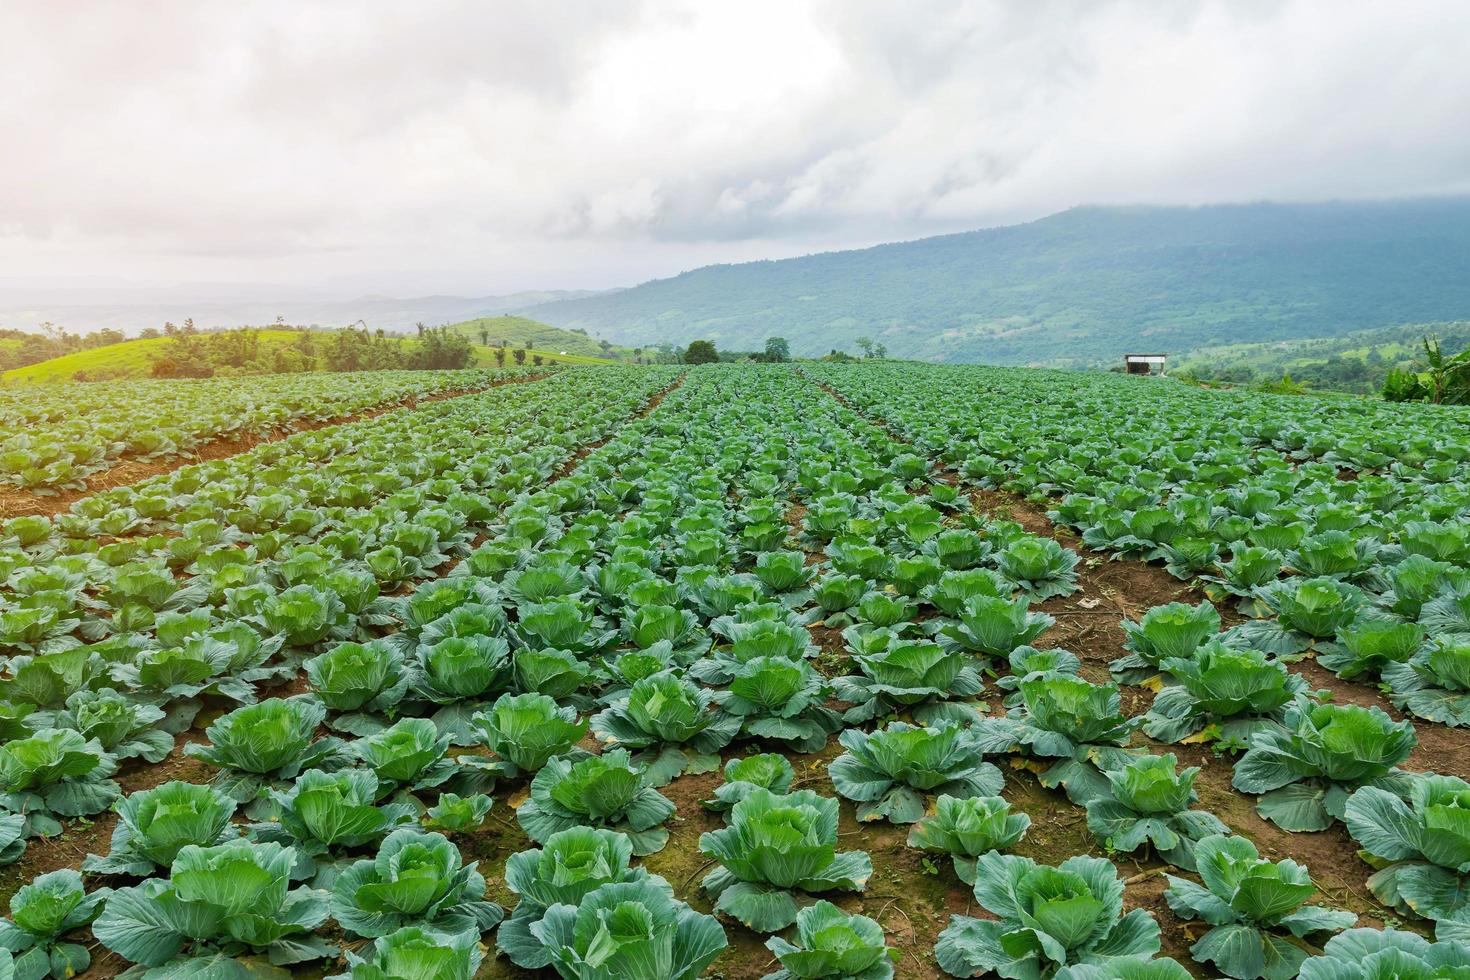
x=372, y=504
x=106, y=634
x=52, y=437
x=656, y=584
x=1339, y=526
x=1313, y=763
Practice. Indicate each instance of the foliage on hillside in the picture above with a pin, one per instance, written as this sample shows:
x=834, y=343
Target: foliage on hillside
x=1075, y=287
x=518, y=331
x=1357, y=362
x=275, y=351
x=19, y=348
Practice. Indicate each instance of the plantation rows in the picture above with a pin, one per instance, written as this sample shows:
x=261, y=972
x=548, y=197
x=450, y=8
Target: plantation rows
x=52, y=437
x=756, y=669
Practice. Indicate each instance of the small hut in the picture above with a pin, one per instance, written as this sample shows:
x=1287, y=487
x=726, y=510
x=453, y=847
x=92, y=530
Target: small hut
x=1143, y=363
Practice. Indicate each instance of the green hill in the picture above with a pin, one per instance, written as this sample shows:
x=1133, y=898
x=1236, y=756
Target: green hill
x=1354, y=362
x=135, y=358
x=517, y=331
x=129, y=359
x=1076, y=288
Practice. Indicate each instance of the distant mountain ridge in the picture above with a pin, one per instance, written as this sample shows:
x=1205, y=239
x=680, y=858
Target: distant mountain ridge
x=1079, y=287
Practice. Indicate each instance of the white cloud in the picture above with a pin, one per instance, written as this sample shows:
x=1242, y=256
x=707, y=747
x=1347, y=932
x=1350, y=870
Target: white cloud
x=471, y=147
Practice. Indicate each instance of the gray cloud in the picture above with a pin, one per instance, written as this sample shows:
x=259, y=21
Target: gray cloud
x=472, y=147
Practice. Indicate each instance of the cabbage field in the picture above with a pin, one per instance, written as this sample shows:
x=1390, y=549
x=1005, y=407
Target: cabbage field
x=741, y=671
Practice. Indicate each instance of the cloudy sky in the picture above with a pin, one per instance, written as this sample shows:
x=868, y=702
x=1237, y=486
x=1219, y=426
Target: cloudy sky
x=476, y=148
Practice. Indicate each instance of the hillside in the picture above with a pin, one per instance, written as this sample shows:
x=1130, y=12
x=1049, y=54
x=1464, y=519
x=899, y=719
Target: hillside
x=129, y=359
x=1355, y=362
x=518, y=331
x=134, y=358
x=1075, y=288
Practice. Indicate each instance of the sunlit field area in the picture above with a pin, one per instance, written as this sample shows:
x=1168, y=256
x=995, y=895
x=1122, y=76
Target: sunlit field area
x=786, y=671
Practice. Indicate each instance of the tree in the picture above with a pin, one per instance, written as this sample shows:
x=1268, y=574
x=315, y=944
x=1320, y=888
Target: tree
x=880, y=350
x=701, y=352
x=519, y=355
x=606, y=347
x=865, y=344
x=500, y=357
x=149, y=333
x=638, y=355
x=484, y=336
x=777, y=350
x=536, y=359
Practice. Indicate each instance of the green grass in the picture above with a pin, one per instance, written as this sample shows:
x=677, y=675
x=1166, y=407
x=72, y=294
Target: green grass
x=129, y=359
x=134, y=359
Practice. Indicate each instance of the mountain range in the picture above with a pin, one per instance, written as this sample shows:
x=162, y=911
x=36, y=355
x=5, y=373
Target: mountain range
x=1077, y=288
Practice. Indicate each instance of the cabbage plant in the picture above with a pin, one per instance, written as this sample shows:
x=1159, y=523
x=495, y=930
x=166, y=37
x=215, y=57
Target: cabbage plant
x=1029, y=663
x=785, y=576
x=1228, y=694
x=1434, y=684
x=993, y=626
x=655, y=623
x=1250, y=568
x=407, y=756
x=524, y=731
x=1370, y=644
x=965, y=828
x=228, y=900
x=665, y=715
x=266, y=744
x=55, y=773
x=1079, y=724
x=1249, y=902
x=834, y=945
x=12, y=838
x=155, y=824
x=774, y=848
x=1040, y=567
x=743, y=776
x=1307, y=770
x=605, y=790
x=417, y=879
x=123, y=727
x=889, y=771
x=416, y=953
x=562, y=625
x=458, y=814
x=1307, y=611
x=556, y=673
x=906, y=674
x=1372, y=954
x=835, y=594
x=41, y=912
x=630, y=930
x=324, y=813
x=574, y=863
x=1147, y=802
x=1046, y=919
x=781, y=700
x=360, y=683
x=1175, y=629
x=1421, y=845
x=1449, y=610
x=748, y=640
